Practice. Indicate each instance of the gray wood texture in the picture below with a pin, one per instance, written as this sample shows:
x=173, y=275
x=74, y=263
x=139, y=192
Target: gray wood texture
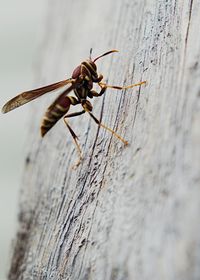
x=126, y=212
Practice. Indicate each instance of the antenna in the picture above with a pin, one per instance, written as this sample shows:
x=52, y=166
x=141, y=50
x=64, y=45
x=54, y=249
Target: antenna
x=105, y=54
x=90, y=54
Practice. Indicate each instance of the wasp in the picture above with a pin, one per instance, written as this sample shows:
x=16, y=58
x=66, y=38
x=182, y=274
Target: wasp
x=81, y=82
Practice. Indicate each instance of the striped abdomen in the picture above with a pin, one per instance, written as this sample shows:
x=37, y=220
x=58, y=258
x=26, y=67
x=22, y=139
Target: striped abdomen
x=56, y=111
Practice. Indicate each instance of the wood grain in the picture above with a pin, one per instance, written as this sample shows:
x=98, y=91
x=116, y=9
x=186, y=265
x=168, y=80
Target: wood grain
x=125, y=213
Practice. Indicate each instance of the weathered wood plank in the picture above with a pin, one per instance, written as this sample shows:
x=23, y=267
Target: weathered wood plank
x=125, y=213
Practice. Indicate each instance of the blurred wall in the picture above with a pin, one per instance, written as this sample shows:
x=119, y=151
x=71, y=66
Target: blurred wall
x=21, y=28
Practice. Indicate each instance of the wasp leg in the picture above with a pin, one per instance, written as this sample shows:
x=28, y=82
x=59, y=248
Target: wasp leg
x=107, y=128
x=102, y=85
x=96, y=94
x=98, y=79
x=75, y=138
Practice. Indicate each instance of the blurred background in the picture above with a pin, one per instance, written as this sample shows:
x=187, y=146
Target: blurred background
x=21, y=31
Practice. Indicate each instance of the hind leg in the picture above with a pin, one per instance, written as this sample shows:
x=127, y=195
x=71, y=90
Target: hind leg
x=88, y=108
x=109, y=129
x=75, y=137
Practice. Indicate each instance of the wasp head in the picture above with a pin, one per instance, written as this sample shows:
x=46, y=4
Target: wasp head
x=87, y=70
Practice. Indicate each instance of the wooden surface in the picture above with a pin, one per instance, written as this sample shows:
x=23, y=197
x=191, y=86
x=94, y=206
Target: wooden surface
x=125, y=213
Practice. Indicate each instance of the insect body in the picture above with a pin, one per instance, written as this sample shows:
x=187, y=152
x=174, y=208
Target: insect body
x=81, y=82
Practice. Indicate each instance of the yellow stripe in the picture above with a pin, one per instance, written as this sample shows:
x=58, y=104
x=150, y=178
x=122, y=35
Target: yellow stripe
x=49, y=119
x=56, y=114
x=88, y=65
x=73, y=100
x=44, y=124
x=59, y=107
x=88, y=71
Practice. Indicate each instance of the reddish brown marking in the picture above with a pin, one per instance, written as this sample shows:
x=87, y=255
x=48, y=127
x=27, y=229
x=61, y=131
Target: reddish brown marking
x=76, y=73
x=61, y=107
x=64, y=101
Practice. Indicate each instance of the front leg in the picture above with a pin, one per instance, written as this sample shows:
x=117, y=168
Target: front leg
x=93, y=93
x=98, y=79
x=102, y=85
